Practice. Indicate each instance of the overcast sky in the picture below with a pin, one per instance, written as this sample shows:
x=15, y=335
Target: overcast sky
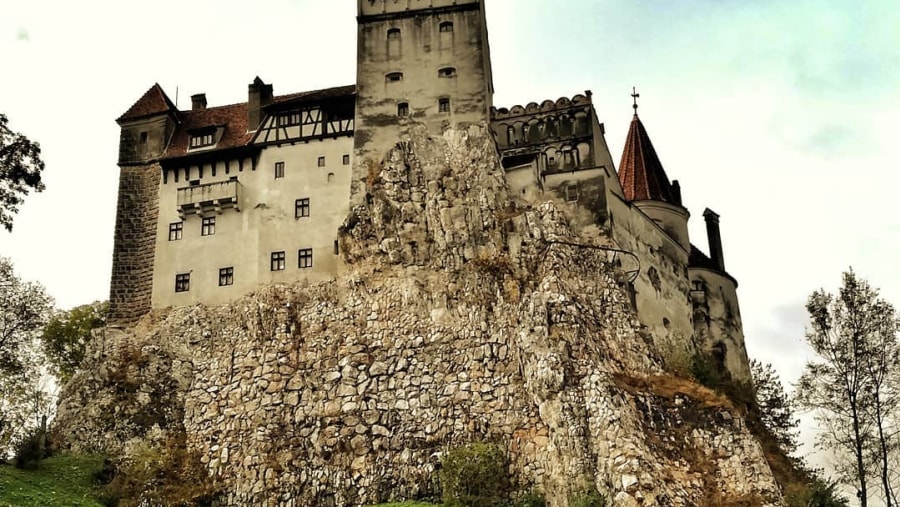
x=780, y=116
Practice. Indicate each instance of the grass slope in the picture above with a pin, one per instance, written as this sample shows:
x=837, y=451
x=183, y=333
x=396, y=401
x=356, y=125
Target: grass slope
x=59, y=481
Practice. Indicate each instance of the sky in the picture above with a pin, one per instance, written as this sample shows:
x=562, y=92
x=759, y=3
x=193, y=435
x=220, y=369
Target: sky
x=778, y=115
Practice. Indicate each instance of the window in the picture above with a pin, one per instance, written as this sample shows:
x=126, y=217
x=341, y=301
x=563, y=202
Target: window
x=346, y=160
x=182, y=282
x=571, y=192
x=403, y=109
x=202, y=139
x=144, y=137
x=446, y=26
x=279, y=170
x=288, y=119
x=277, y=263
x=337, y=248
x=444, y=105
x=304, y=258
x=321, y=161
x=393, y=33
x=393, y=77
x=208, y=227
x=226, y=277
x=570, y=160
x=447, y=72
x=175, y=231
x=301, y=208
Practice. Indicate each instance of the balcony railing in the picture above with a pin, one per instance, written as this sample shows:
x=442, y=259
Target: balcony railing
x=209, y=197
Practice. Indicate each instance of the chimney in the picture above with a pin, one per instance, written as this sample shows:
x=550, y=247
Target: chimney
x=715, y=238
x=198, y=102
x=676, y=192
x=259, y=95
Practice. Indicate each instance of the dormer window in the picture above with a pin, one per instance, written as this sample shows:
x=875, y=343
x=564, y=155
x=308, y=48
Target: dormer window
x=288, y=119
x=393, y=77
x=447, y=72
x=446, y=26
x=203, y=138
x=393, y=33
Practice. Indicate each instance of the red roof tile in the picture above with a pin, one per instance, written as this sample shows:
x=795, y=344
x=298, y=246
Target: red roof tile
x=640, y=171
x=154, y=101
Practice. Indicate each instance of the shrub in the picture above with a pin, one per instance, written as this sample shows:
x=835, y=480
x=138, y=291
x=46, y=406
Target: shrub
x=31, y=450
x=588, y=498
x=476, y=475
x=531, y=499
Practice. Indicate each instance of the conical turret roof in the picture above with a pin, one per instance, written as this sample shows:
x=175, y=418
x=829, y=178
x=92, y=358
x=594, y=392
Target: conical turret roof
x=640, y=172
x=154, y=101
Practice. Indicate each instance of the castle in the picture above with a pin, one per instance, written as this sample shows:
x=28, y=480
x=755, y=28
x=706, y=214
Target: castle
x=215, y=201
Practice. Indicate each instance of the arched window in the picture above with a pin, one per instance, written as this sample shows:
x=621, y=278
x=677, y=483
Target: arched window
x=393, y=33
x=393, y=77
x=447, y=72
x=446, y=26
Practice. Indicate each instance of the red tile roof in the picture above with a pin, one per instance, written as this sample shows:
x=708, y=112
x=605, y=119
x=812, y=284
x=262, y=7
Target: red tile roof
x=640, y=171
x=234, y=120
x=154, y=101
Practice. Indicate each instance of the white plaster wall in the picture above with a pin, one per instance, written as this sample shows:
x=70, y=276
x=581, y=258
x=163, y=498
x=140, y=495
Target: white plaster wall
x=265, y=223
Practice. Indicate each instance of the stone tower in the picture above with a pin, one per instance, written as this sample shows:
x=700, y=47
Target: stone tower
x=423, y=61
x=145, y=131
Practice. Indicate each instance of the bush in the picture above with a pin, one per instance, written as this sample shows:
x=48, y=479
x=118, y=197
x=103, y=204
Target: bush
x=531, y=499
x=588, y=498
x=476, y=475
x=31, y=450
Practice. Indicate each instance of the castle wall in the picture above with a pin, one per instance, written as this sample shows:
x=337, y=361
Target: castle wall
x=661, y=289
x=717, y=319
x=266, y=223
x=133, y=248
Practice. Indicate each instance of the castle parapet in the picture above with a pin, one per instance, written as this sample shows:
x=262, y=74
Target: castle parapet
x=209, y=197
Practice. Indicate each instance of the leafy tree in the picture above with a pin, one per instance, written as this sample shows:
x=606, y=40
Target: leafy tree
x=68, y=333
x=849, y=384
x=776, y=410
x=20, y=170
x=24, y=309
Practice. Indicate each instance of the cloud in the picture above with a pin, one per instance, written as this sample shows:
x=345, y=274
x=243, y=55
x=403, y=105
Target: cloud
x=22, y=35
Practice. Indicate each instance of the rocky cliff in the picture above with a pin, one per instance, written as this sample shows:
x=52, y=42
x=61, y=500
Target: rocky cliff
x=461, y=317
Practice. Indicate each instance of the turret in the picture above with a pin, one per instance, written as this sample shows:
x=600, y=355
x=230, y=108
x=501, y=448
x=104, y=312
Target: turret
x=646, y=185
x=146, y=127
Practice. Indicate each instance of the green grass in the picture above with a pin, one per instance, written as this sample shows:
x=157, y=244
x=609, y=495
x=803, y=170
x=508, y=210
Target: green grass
x=407, y=504
x=59, y=481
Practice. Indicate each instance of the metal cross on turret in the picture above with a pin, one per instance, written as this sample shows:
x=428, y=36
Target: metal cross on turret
x=635, y=95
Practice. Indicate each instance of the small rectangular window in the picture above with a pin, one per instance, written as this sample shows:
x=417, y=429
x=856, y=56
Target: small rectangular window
x=226, y=276
x=403, y=109
x=288, y=119
x=277, y=263
x=182, y=282
x=208, y=226
x=321, y=161
x=346, y=160
x=175, y=231
x=444, y=105
x=304, y=257
x=144, y=137
x=571, y=192
x=279, y=169
x=200, y=140
x=301, y=208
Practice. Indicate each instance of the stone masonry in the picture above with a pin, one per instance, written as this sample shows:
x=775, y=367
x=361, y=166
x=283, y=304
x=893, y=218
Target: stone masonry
x=461, y=318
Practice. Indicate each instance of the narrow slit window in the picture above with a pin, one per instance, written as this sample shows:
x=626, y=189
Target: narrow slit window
x=279, y=170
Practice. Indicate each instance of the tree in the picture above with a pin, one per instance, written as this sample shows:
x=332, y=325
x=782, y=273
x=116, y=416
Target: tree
x=851, y=383
x=68, y=333
x=24, y=309
x=776, y=410
x=20, y=170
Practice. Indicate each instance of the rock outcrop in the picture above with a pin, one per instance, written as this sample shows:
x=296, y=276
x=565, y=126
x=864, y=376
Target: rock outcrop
x=462, y=316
